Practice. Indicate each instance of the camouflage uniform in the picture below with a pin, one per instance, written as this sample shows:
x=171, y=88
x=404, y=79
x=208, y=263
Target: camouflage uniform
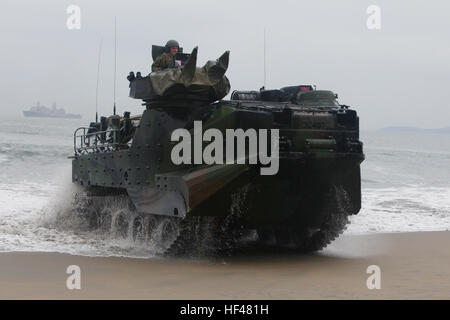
x=164, y=61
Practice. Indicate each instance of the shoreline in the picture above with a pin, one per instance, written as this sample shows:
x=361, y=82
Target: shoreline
x=413, y=266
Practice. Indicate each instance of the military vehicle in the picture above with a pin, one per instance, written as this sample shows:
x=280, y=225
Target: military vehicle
x=304, y=206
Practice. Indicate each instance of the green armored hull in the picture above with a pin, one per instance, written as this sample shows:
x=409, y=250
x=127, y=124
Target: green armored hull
x=302, y=201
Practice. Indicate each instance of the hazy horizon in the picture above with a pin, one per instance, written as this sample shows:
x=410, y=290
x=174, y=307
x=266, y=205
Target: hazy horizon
x=395, y=76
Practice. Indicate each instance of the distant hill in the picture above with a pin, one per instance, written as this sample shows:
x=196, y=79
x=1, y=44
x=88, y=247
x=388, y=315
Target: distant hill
x=417, y=130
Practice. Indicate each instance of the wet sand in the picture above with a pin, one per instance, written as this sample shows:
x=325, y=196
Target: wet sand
x=413, y=266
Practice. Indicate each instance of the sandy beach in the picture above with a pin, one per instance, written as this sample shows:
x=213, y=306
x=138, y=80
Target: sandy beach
x=413, y=266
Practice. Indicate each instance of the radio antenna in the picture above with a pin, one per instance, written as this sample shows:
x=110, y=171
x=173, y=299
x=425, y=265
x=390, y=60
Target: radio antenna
x=98, y=77
x=115, y=62
x=264, y=57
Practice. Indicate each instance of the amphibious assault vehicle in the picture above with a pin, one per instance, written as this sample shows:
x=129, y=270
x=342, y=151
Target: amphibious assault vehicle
x=303, y=203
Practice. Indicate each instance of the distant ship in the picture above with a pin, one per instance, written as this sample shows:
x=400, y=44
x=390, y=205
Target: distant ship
x=44, y=112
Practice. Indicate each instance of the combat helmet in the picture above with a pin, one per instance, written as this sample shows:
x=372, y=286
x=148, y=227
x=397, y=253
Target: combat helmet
x=172, y=43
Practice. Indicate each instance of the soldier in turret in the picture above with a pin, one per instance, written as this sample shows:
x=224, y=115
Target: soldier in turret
x=167, y=59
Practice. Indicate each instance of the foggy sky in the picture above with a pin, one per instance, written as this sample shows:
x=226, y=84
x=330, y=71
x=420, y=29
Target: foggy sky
x=399, y=75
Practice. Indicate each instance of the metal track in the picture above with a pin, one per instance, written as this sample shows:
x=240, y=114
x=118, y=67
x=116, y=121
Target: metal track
x=337, y=209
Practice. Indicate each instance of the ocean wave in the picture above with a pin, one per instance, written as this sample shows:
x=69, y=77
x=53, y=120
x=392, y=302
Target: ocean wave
x=404, y=209
x=63, y=220
x=9, y=151
x=3, y=158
